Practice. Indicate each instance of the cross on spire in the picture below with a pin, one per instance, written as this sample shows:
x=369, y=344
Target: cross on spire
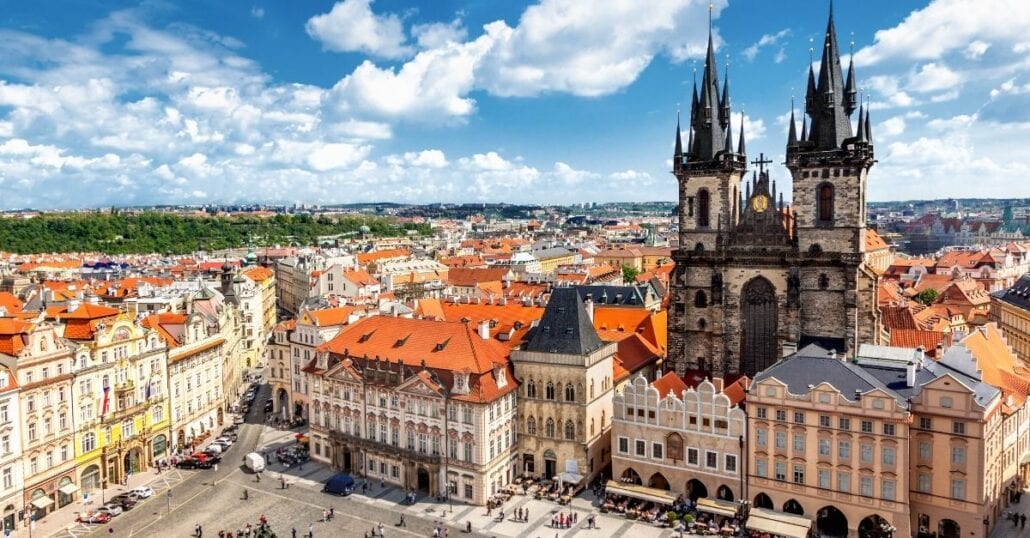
x=761, y=161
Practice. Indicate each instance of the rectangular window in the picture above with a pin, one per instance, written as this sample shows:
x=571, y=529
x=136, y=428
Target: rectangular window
x=711, y=460
x=925, y=451
x=731, y=463
x=799, y=442
x=844, y=424
x=867, y=426
x=623, y=445
x=865, y=453
x=781, y=415
x=958, y=455
x=760, y=412
x=888, y=429
x=761, y=437
x=958, y=488
x=887, y=490
x=844, y=450
x=887, y=455
x=781, y=471
x=843, y=481
x=958, y=428
x=781, y=440
x=761, y=468
x=824, y=478
x=824, y=421
x=641, y=448
x=925, y=423
x=799, y=417
x=692, y=456
x=866, y=486
x=923, y=484
x=656, y=451
x=799, y=474
x=824, y=447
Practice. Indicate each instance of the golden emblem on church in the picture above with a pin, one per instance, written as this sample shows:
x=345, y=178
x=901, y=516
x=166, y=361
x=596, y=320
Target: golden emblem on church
x=760, y=203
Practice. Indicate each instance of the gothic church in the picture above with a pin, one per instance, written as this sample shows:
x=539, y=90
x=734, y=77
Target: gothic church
x=756, y=279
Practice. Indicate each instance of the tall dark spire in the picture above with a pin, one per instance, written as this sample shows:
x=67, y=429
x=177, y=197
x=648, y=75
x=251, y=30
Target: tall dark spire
x=850, y=92
x=868, y=128
x=724, y=103
x=677, y=154
x=792, y=133
x=804, y=128
x=707, y=115
x=729, y=137
x=861, y=125
x=829, y=108
x=741, y=148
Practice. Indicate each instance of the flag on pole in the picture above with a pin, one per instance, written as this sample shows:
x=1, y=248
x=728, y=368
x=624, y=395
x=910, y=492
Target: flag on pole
x=107, y=400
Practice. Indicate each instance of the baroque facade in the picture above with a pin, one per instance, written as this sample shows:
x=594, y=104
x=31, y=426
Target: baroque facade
x=755, y=279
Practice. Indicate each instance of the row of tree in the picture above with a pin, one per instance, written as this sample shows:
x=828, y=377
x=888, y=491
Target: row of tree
x=120, y=233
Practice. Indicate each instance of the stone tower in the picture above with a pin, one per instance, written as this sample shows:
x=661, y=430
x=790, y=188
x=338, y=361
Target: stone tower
x=756, y=279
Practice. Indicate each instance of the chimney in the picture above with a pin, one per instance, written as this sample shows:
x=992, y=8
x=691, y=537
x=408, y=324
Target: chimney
x=484, y=329
x=589, y=304
x=833, y=354
x=910, y=374
x=73, y=305
x=719, y=383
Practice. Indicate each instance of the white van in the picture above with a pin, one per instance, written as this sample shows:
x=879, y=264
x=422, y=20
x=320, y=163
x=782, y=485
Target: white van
x=255, y=462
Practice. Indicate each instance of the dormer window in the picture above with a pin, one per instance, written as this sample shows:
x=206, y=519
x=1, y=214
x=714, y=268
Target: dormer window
x=501, y=377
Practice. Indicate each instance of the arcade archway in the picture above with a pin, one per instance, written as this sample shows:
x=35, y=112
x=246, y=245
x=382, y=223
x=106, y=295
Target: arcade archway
x=831, y=522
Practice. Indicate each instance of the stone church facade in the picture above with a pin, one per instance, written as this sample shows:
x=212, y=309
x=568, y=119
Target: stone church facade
x=756, y=279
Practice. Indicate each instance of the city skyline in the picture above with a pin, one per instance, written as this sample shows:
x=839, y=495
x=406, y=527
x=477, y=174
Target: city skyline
x=392, y=101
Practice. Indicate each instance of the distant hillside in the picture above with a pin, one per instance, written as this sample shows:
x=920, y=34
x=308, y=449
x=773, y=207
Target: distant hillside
x=167, y=233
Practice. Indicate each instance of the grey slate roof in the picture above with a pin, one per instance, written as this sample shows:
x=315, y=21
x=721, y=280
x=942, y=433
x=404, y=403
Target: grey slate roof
x=1018, y=295
x=565, y=327
x=634, y=295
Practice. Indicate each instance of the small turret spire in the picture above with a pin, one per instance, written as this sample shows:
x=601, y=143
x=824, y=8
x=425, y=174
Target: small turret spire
x=741, y=149
x=804, y=128
x=861, y=124
x=729, y=137
x=792, y=133
x=868, y=128
x=677, y=153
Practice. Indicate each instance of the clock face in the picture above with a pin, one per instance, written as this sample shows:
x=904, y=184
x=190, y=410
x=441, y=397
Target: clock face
x=760, y=203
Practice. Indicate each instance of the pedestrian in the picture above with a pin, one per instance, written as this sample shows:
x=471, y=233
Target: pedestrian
x=525, y=514
x=198, y=531
x=381, y=529
x=332, y=513
x=402, y=523
x=293, y=532
x=1022, y=521
x=325, y=515
x=311, y=530
x=382, y=483
x=468, y=527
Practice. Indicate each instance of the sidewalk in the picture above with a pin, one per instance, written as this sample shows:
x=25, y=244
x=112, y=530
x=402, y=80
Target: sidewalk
x=1004, y=527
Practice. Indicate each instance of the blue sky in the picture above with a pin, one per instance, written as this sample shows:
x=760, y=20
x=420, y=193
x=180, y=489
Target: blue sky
x=554, y=101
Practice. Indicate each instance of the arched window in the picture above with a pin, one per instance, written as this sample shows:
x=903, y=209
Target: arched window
x=674, y=446
x=570, y=393
x=549, y=391
x=591, y=427
x=701, y=324
x=700, y=299
x=531, y=389
x=591, y=389
x=570, y=431
x=703, y=208
x=549, y=428
x=531, y=426
x=825, y=202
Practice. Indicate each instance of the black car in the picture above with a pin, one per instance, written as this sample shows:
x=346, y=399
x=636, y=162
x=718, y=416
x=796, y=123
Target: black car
x=191, y=463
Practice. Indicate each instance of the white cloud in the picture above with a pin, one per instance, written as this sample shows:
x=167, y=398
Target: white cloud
x=765, y=40
x=890, y=127
x=946, y=25
x=571, y=176
x=257, y=12
x=435, y=35
x=754, y=129
x=976, y=49
x=336, y=155
x=352, y=27
x=933, y=77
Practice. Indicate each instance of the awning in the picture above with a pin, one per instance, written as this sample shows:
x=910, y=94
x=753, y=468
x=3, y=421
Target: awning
x=42, y=502
x=1025, y=459
x=569, y=478
x=778, y=523
x=718, y=507
x=68, y=489
x=640, y=492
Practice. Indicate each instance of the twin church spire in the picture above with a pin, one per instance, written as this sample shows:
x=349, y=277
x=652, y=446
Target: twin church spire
x=830, y=101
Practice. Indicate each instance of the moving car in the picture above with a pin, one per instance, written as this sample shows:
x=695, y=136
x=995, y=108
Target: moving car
x=93, y=517
x=111, y=509
x=224, y=440
x=143, y=492
x=341, y=484
x=255, y=462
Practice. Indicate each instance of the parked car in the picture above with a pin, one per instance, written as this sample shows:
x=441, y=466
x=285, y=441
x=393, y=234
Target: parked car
x=93, y=517
x=193, y=463
x=125, y=502
x=111, y=509
x=143, y=492
x=224, y=440
x=237, y=419
x=268, y=407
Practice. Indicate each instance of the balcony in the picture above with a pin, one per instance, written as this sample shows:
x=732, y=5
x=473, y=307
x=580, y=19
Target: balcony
x=384, y=448
x=126, y=412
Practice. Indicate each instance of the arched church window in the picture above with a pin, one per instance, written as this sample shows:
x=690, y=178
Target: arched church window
x=549, y=391
x=825, y=203
x=700, y=299
x=531, y=389
x=815, y=249
x=701, y=324
x=570, y=393
x=703, y=208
